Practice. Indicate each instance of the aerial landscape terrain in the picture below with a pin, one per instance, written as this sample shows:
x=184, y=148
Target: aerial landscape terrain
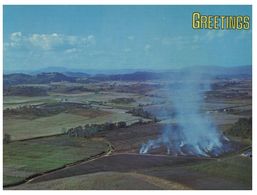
x=73, y=130
x=127, y=97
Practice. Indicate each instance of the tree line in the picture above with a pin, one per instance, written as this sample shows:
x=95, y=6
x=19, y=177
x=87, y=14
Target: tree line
x=91, y=129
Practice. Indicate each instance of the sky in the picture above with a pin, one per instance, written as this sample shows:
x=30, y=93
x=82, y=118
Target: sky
x=120, y=37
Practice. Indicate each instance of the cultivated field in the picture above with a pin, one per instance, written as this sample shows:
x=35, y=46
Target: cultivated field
x=27, y=158
x=20, y=128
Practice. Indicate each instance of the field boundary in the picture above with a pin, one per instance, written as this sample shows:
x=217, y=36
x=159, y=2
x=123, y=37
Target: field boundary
x=39, y=137
x=32, y=177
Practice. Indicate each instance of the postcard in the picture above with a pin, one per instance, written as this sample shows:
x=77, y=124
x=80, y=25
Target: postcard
x=127, y=97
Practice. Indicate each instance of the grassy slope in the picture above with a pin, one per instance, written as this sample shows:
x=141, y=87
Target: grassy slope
x=23, y=128
x=105, y=181
x=234, y=168
x=24, y=158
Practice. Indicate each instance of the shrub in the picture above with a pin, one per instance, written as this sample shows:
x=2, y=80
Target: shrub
x=242, y=128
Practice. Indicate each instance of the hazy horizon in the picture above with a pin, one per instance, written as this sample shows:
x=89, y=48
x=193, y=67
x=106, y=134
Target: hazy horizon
x=62, y=69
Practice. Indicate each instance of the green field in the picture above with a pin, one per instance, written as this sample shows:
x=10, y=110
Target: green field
x=82, y=97
x=235, y=168
x=56, y=124
x=25, y=158
x=16, y=101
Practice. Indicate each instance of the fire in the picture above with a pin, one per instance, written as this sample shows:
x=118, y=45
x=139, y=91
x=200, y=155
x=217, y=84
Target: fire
x=195, y=133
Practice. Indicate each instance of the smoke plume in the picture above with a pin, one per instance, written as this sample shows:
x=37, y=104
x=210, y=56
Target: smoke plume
x=194, y=132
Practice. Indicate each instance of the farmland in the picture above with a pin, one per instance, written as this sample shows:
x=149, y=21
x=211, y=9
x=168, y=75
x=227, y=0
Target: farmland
x=51, y=137
x=46, y=154
x=57, y=124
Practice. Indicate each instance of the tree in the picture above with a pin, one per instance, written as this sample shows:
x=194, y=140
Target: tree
x=242, y=128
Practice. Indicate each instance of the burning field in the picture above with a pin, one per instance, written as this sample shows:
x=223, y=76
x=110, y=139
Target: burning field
x=194, y=133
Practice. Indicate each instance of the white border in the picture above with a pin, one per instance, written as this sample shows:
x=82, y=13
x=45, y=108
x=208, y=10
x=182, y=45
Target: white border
x=140, y=2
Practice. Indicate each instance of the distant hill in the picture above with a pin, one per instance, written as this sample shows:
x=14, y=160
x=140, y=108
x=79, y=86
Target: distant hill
x=52, y=77
x=42, y=78
x=17, y=78
x=76, y=74
x=47, y=77
x=208, y=71
x=25, y=91
x=136, y=76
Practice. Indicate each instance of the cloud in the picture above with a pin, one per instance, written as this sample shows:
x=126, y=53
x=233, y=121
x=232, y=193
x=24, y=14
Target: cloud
x=193, y=41
x=147, y=47
x=16, y=36
x=72, y=50
x=48, y=42
x=45, y=41
x=131, y=38
x=127, y=50
x=179, y=42
x=213, y=35
x=15, y=39
x=89, y=40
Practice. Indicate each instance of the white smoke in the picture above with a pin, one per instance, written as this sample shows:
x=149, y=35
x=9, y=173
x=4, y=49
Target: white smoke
x=194, y=134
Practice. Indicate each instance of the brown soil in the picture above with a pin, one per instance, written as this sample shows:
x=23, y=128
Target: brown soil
x=131, y=138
